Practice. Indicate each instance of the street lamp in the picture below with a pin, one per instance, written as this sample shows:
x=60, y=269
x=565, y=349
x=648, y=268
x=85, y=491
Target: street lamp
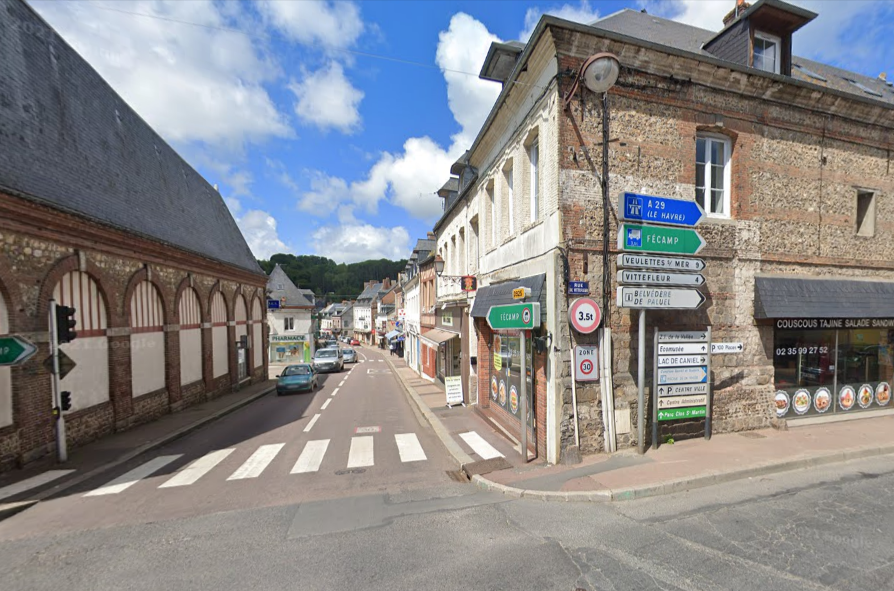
x=439, y=265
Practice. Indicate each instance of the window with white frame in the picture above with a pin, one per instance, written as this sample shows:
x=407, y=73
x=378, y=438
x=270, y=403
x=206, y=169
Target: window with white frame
x=510, y=199
x=289, y=323
x=534, y=158
x=492, y=213
x=712, y=175
x=767, y=52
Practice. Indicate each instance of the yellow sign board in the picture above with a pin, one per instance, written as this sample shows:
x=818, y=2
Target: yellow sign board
x=518, y=293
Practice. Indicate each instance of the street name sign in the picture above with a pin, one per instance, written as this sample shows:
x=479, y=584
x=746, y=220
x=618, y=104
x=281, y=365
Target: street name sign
x=578, y=288
x=273, y=304
x=660, y=278
x=683, y=401
x=683, y=375
x=15, y=350
x=514, y=316
x=584, y=315
x=681, y=360
x=683, y=336
x=645, y=261
x=659, y=298
x=659, y=239
x=673, y=414
x=682, y=348
x=682, y=389
x=661, y=210
x=586, y=368
x=724, y=348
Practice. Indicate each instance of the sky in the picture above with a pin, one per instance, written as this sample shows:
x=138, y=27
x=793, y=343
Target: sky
x=329, y=126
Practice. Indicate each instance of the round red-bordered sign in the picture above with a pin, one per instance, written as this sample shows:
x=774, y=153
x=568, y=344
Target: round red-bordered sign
x=586, y=366
x=584, y=315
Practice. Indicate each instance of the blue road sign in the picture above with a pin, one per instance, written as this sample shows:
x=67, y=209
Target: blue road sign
x=661, y=210
x=578, y=288
x=273, y=304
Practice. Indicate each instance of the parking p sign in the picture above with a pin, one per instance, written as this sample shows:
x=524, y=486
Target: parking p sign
x=586, y=368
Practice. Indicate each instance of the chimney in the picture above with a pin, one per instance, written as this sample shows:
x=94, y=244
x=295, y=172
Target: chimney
x=883, y=76
x=386, y=283
x=732, y=15
x=431, y=236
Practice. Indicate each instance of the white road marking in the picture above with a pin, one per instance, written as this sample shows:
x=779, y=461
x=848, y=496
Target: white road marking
x=409, y=447
x=342, y=383
x=335, y=392
x=311, y=458
x=310, y=425
x=259, y=460
x=381, y=361
x=480, y=446
x=361, y=453
x=197, y=469
x=125, y=481
x=325, y=404
x=33, y=482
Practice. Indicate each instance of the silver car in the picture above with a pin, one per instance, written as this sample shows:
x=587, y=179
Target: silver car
x=350, y=355
x=329, y=359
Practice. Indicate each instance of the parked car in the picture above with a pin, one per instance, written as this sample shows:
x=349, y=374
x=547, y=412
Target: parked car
x=355, y=343
x=329, y=359
x=350, y=355
x=296, y=378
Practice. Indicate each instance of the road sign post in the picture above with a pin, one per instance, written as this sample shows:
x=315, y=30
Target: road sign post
x=671, y=298
x=682, y=369
x=661, y=210
x=659, y=239
x=657, y=263
x=15, y=350
x=584, y=315
x=660, y=278
x=61, y=444
x=586, y=365
x=524, y=316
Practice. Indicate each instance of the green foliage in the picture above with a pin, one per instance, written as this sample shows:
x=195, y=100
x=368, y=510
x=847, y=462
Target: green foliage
x=325, y=276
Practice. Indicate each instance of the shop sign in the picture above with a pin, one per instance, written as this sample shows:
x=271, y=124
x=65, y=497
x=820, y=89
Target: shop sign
x=454, y=389
x=822, y=323
x=584, y=315
x=578, y=288
x=679, y=298
x=659, y=239
x=514, y=316
x=469, y=283
x=674, y=414
x=644, y=261
x=586, y=368
x=682, y=401
x=661, y=210
x=518, y=293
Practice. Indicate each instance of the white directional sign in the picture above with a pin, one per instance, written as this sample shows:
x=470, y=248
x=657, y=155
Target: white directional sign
x=660, y=278
x=646, y=261
x=659, y=298
x=683, y=336
x=682, y=348
x=586, y=368
x=683, y=401
x=681, y=360
x=723, y=348
x=682, y=375
x=682, y=389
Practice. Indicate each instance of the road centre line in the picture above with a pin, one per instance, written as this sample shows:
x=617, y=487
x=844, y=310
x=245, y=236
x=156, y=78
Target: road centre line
x=325, y=404
x=336, y=391
x=310, y=425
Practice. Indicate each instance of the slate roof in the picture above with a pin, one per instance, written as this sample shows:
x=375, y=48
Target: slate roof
x=791, y=297
x=501, y=293
x=69, y=141
x=634, y=23
x=294, y=297
x=370, y=292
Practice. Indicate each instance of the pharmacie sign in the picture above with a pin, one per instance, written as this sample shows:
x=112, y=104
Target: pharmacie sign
x=824, y=323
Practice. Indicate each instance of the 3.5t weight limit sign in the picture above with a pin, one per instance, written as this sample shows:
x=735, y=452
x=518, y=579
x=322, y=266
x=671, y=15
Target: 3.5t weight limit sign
x=584, y=315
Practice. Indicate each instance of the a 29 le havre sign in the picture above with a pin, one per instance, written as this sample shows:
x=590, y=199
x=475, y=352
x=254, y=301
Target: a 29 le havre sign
x=514, y=316
x=661, y=210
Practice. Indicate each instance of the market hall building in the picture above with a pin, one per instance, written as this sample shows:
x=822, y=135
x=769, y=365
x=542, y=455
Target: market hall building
x=100, y=214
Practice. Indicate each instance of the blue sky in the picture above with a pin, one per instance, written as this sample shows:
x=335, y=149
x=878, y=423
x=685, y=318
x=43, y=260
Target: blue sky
x=328, y=126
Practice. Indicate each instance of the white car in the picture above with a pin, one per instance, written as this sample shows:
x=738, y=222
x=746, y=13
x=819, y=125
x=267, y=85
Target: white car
x=329, y=359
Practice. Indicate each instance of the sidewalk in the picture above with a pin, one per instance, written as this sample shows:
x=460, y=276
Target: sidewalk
x=673, y=468
x=104, y=454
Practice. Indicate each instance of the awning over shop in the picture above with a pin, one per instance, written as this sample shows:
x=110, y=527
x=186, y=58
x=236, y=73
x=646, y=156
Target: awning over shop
x=436, y=336
x=393, y=334
x=496, y=295
x=790, y=297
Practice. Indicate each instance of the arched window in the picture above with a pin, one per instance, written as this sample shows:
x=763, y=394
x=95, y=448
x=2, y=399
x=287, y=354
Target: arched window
x=190, y=314
x=147, y=340
x=257, y=332
x=220, y=354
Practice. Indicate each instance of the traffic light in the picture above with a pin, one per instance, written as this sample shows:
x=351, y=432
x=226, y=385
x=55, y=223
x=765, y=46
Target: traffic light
x=66, y=401
x=65, y=323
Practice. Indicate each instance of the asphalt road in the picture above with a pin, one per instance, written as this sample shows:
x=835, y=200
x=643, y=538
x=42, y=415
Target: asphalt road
x=817, y=529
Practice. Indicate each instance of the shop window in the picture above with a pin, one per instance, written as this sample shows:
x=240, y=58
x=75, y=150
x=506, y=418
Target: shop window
x=712, y=175
x=865, y=213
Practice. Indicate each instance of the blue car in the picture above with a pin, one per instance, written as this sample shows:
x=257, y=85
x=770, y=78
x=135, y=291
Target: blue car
x=296, y=378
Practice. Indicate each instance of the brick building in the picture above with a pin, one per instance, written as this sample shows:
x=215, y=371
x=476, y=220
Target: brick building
x=791, y=161
x=99, y=213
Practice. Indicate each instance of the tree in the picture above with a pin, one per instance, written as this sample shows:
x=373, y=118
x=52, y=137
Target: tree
x=334, y=281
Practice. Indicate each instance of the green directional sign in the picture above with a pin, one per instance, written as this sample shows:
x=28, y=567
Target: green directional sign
x=514, y=316
x=673, y=414
x=15, y=350
x=659, y=239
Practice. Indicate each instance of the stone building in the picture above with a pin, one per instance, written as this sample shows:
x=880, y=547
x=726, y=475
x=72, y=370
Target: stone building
x=789, y=158
x=291, y=333
x=99, y=213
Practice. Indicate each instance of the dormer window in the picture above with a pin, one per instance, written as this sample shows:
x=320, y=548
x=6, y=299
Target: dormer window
x=767, y=52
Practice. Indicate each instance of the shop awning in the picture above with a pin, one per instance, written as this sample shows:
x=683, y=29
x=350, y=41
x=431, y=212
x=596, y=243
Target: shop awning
x=496, y=295
x=393, y=334
x=436, y=336
x=790, y=297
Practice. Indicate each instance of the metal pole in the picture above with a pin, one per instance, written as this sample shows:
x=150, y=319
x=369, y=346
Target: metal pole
x=655, y=441
x=524, y=398
x=641, y=379
x=606, y=277
x=710, y=406
x=61, y=447
x=574, y=396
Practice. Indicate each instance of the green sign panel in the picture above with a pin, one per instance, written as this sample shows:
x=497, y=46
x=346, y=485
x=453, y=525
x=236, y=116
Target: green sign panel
x=659, y=239
x=514, y=316
x=15, y=350
x=673, y=414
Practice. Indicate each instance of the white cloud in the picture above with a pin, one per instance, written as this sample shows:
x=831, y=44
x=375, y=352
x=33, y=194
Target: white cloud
x=327, y=195
x=334, y=25
x=213, y=79
x=327, y=99
x=350, y=243
x=259, y=229
x=581, y=13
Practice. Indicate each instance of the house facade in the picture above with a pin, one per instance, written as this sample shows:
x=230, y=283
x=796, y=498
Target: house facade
x=291, y=324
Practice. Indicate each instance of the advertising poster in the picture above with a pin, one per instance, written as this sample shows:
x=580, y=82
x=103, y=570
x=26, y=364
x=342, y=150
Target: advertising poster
x=506, y=376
